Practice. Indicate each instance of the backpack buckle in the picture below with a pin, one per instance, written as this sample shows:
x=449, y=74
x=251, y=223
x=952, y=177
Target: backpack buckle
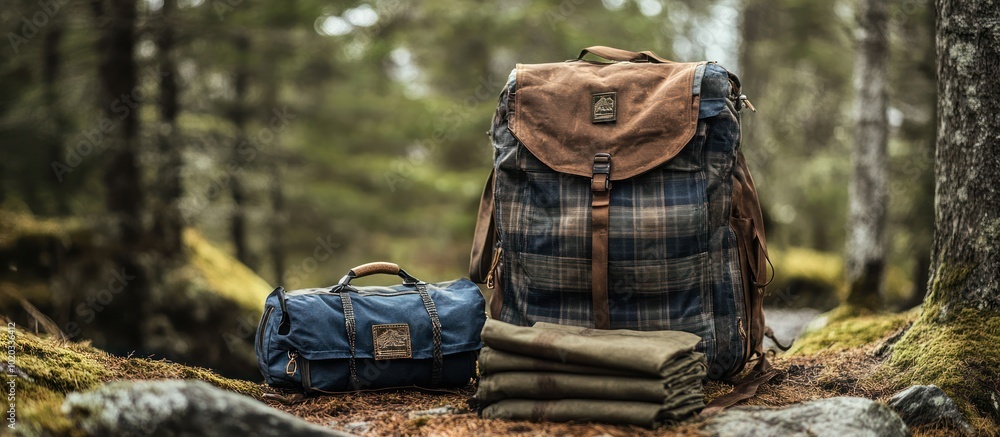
x=601, y=173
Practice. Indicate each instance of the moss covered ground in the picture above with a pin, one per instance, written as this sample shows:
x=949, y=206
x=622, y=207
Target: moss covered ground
x=223, y=274
x=46, y=369
x=961, y=356
x=852, y=356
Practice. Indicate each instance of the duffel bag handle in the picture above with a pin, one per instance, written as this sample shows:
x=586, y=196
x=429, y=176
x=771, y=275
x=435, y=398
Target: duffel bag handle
x=375, y=268
x=613, y=54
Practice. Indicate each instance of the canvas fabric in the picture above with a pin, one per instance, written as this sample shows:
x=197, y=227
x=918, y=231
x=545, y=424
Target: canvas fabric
x=674, y=255
x=564, y=373
x=310, y=340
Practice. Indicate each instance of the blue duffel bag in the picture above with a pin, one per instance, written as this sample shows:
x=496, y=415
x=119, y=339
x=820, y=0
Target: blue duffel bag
x=343, y=338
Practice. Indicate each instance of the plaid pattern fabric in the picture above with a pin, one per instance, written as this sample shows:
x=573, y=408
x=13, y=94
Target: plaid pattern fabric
x=673, y=260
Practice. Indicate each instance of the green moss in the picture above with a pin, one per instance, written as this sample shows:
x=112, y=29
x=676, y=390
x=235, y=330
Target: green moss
x=962, y=356
x=225, y=275
x=951, y=275
x=848, y=327
x=805, y=277
x=143, y=368
x=49, y=369
x=14, y=226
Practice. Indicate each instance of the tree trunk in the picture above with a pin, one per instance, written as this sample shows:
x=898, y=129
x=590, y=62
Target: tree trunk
x=278, y=220
x=279, y=217
x=865, y=257
x=965, y=259
x=120, y=106
x=119, y=102
x=238, y=220
x=52, y=64
x=168, y=221
x=954, y=342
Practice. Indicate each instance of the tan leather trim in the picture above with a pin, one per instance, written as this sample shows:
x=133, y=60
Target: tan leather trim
x=657, y=114
x=600, y=218
x=372, y=268
x=748, y=222
x=484, y=237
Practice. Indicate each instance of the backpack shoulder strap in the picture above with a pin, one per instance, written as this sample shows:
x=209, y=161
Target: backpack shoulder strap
x=485, y=236
x=744, y=389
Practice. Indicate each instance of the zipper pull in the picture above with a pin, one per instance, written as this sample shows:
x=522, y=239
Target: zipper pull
x=745, y=100
x=491, y=276
x=292, y=365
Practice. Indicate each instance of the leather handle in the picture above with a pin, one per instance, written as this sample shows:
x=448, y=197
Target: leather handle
x=376, y=268
x=613, y=54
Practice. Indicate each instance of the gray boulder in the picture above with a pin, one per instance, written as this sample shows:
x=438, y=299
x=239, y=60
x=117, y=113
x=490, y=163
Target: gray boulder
x=835, y=417
x=180, y=408
x=928, y=405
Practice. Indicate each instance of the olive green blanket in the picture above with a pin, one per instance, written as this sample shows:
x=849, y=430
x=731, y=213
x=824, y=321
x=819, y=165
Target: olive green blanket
x=565, y=373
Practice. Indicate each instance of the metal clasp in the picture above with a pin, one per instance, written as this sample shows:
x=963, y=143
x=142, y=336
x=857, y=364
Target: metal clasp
x=602, y=166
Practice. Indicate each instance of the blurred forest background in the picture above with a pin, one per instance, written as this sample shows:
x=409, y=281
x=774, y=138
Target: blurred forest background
x=162, y=139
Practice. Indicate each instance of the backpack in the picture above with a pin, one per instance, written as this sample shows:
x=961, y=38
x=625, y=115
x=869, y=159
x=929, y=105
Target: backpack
x=620, y=199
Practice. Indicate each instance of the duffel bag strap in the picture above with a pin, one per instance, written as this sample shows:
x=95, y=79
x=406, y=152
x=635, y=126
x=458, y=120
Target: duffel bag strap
x=351, y=324
x=352, y=334
x=438, y=362
x=600, y=186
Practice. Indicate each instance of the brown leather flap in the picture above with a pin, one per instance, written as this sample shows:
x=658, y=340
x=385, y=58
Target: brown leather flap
x=653, y=107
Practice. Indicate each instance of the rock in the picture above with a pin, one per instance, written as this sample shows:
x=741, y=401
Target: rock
x=180, y=407
x=787, y=324
x=928, y=405
x=835, y=417
x=446, y=410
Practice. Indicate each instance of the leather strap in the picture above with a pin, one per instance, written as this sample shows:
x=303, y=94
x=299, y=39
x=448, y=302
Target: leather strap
x=744, y=389
x=352, y=333
x=613, y=54
x=438, y=362
x=600, y=186
x=286, y=322
x=485, y=236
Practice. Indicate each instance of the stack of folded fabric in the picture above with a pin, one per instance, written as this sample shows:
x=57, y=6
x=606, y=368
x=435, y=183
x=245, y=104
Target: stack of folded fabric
x=564, y=373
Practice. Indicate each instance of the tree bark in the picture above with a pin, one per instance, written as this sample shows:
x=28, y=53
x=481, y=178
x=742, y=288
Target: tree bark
x=238, y=221
x=120, y=106
x=279, y=217
x=965, y=256
x=168, y=221
x=278, y=220
x=865, y=257
x=51, y=67
x=954, y=342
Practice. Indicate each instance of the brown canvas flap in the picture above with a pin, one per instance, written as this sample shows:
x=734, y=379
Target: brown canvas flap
x=648, y=119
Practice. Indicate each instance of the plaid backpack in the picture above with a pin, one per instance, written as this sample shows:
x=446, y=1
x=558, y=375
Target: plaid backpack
x=619, y=199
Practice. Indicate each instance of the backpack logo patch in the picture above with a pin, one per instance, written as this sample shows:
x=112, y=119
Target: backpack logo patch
x=391, y=341
x=604, y=107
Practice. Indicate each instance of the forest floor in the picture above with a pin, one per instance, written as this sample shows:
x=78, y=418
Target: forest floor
x=842, y=360
x=800, y=378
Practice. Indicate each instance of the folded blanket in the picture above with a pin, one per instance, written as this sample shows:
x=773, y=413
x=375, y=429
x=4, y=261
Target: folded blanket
x=494, y=361
x=649, y=353
x=552, y=385
x=643, y=414
x=565, y=373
